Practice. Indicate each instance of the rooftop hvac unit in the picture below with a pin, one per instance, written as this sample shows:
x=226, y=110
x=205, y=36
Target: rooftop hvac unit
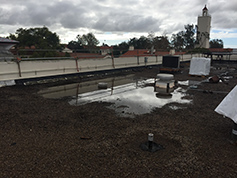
x=170, y=61
x=200, y=66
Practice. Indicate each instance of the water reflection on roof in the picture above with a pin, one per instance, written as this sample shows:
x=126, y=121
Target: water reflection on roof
x=133, y=98
x=128, y=96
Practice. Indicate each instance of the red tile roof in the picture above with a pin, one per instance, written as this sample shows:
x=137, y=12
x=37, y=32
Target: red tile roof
x=145, y=52
x=136, y=52
x=31, y=47
x=106, y=47
x=162, y=53
x=220, y=49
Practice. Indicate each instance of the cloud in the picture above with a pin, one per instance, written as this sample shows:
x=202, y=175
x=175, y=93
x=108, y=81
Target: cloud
x=116, y=22
x=71, y=17
x=223, y=15
x=131, y=15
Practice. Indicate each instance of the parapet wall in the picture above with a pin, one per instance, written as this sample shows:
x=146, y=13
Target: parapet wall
x=13, y=70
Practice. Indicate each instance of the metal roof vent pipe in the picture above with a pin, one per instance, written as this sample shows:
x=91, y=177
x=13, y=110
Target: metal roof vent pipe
x=234, y=134
x=164, y=84
x=150, y=145
x=102, y=85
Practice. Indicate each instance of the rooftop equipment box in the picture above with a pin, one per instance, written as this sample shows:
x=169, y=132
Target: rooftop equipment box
x=200, y=66
x=170, y=61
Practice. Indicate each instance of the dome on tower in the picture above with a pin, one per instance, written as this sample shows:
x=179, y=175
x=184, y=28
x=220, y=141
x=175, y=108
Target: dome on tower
x=205, y=11
x=205, y=8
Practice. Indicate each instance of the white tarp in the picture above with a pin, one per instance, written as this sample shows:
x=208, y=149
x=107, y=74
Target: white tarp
x=200, y=66
x=228, y=106
x=7, y=83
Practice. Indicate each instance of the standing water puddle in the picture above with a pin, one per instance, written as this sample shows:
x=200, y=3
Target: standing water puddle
x=128, y=97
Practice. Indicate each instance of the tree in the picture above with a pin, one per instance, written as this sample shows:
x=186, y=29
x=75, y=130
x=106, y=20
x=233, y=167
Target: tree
x=189, y=39
x=133, y=42
x=150, y=40
x=120, y=49
x=184, y=39
x=143, y=43
x=123, y=47
x=116, y=51
x=140, y=43
x=161, y=43
x=216, y=43
x=88, y=40
x=85, y=43
x=75, y=46
x=177, y=41
x=41, y=38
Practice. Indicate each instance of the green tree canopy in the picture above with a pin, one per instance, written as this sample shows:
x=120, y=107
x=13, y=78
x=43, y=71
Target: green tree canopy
x=75, y=46
x=177, y=41
x=133, y=42
x=184, y=39
x=189, y=39
x=120, y=49
x=88, y=40
x=216, y=43
x=152, y=41
x=41, y=38
x=161, y=43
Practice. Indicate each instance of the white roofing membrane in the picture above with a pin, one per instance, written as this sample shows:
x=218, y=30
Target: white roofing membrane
x=228, y=106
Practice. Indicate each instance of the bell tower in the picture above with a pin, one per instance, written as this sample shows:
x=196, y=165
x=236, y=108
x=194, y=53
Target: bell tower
x=203, y=29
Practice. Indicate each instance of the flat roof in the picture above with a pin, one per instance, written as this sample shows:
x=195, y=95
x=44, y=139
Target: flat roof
x=6, y=40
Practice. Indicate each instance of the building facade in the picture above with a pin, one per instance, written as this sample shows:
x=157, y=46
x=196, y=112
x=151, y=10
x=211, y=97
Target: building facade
x=5, y=46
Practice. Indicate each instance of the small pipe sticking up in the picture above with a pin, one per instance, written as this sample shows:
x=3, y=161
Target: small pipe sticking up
x=150, y=140
x=150, y=145
x=234, y=134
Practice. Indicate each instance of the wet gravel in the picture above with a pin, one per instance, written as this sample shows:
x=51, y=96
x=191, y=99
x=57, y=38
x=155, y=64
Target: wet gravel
x=50, y=138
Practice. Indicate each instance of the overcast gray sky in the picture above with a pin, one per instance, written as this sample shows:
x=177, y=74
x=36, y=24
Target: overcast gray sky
x=114, y=21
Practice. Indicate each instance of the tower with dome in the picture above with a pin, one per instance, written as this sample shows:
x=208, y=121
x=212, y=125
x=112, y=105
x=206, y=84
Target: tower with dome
x=203, y=29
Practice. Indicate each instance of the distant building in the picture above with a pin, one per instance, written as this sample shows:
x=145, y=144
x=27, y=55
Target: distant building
x=131, y=48
x=203, y=29
x=146, y=52
x=219, y=53
x=104, y=50
x=5, y=46
x=67, y=50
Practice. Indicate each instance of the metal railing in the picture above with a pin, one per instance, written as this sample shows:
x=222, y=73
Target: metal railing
x=17, y=67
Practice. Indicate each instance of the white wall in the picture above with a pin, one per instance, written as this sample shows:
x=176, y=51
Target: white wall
x=40, y=68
